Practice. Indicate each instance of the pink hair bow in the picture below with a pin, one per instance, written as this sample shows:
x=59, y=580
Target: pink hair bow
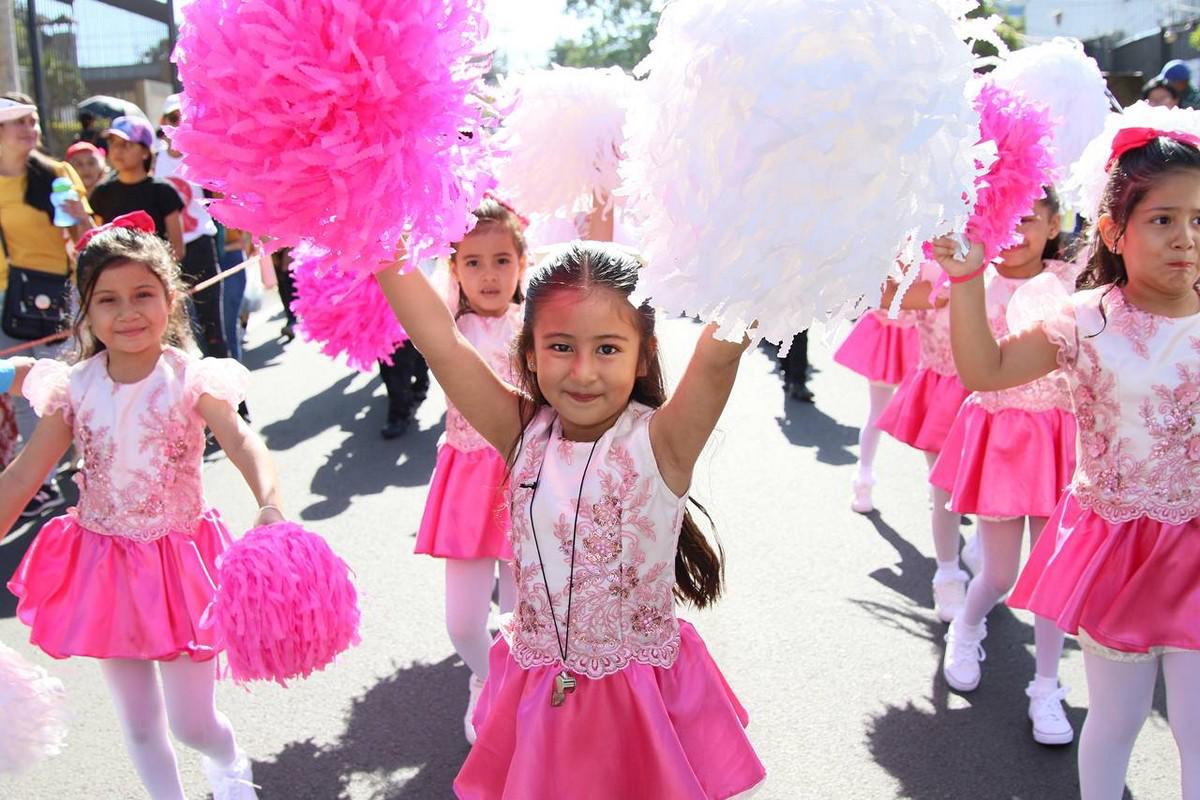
x=1132, y=138
x=137, y=220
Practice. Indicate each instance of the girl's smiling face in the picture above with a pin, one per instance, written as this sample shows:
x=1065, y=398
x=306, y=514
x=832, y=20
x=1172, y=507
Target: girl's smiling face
x=129, y=308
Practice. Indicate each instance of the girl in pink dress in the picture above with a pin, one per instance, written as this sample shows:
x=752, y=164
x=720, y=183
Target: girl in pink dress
x=1120, y=565
x=1008, y=457
x=920, y=415
x=883, y=351
x=466, y=521
x=595, y=688
x=126, y=576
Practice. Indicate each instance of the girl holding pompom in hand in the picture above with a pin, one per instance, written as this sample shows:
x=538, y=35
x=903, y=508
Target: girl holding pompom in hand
x=1119, y=563
x=465, y=519
x=126, y=576
x=601, y=461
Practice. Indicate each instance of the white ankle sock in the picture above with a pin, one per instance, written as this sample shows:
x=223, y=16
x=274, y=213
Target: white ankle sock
x=947, y=569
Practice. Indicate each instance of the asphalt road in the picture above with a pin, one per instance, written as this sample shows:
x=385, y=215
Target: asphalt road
x=826, y=633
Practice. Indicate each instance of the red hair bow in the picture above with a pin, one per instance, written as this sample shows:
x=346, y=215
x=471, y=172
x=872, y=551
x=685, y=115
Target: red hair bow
x=138, y=220
x=1132, y=138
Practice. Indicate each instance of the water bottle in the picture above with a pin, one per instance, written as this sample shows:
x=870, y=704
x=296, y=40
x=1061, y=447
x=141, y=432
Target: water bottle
x=61, y=192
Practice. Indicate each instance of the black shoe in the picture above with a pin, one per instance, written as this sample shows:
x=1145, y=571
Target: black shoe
x=287, y=332
x=802, y=393
x=394, y=429
x=47, y=497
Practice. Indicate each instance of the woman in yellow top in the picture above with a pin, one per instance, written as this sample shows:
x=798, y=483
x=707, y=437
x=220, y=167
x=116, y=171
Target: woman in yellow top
x=31, y=240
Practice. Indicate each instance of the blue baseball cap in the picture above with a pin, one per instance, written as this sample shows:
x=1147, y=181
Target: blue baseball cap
x=1176, y=70
x=132, y=129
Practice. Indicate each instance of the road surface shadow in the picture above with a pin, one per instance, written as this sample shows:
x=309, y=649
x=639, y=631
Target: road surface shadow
x=806, y=425
x=403, y=739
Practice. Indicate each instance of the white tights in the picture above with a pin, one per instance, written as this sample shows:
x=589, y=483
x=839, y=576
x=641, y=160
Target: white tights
x=868, y=437
x=1000, y=541
x=945, y=521
x=1119, y=698
x=469, y=585
x=185, y=701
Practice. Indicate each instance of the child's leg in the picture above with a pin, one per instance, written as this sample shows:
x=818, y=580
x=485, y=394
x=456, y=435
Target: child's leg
x=1047, y=636
x=945, y=524
x=191, y=708
x=508, y=587
x=1001, y=543
x=1119, y=698
x=1182, y=674
x=468, y=599
x=139, y=703
x=878, y=395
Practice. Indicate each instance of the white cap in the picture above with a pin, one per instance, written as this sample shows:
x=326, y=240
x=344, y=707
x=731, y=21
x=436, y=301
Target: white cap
x=173, y=103
x=11, y=109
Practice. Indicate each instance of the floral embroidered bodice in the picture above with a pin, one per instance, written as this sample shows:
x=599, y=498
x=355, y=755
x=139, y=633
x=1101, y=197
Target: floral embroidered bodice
x=1135, y=382
x=933, y=333
x=622, y=608
x=493, y=338
x=142, y=443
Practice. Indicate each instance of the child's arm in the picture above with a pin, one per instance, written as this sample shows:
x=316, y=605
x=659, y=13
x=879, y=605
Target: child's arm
x=248, y=453
x=682, y=426
x=982, y=363
x=487, y=402
x=175, y=234
x=25, y=474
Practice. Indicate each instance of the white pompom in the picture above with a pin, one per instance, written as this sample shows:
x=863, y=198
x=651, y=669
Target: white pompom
x=1084, y=188
x=781, y=156
x=33, y=713
x=562, y=139
x=1060, y=76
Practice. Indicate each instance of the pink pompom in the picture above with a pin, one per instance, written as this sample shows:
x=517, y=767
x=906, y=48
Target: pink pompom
x=343, y=121
x=33, y=713
x=1021, y=131
x=345, y=312
x=285, y=605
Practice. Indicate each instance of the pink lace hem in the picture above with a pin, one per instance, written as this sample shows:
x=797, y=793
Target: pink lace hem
x=47, y=388
x=594, y=666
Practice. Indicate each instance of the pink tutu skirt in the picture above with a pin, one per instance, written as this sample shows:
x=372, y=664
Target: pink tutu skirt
x=465, y=514
x=1008, y=463
x=879, y=351
x=87, y=594
x=642, y=732
x=923, y=409
x=1131, y=585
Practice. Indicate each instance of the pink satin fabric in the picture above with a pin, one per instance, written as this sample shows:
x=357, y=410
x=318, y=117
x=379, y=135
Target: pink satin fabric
x=642, y=732
x=1132, y=585
x=88, y=594
x=880, y=352
x=1010, y=463
x=923, y=409
x=466, y=515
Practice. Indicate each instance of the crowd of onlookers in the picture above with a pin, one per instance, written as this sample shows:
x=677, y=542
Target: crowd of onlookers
x=1172, y=87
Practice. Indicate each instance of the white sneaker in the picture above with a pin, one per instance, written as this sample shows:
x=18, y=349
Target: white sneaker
x=860, y=500
x=475, y=688
x=964, y=652
x=1050, y=723
x=972, y=555
x=949, y=594
x=235, y=782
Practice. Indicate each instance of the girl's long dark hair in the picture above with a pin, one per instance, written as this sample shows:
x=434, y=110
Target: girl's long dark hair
x=586, y=266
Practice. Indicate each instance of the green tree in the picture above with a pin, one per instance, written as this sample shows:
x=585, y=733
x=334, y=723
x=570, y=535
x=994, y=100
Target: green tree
x=1011, y=31
x=619, y=35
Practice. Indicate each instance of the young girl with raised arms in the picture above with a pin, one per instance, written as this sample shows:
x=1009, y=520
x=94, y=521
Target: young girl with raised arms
x=1008, y=457
x=595, y=688
x=466, y=521
x=126, y=576
x=1119, y=565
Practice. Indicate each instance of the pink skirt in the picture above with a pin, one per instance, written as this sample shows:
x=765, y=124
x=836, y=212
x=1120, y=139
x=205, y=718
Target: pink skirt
x=923, y=409
x=465, y=514
x=642, y=732
x=87, y=594
x=1011, y=463
x=879, y=351
x=1131, y=585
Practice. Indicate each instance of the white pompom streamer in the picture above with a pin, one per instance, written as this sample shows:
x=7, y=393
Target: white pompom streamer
x=1060, y=76
x=1084, y=188
x=33, y=713
x=781, y=156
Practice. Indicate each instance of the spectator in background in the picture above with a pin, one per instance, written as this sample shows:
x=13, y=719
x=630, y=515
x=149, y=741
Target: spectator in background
x=89, y=161
x=1179, y=75
x=86, y=132
x=1157, y=92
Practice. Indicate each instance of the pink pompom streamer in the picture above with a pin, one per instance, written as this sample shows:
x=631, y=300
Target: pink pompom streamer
x=348, y=122
x=1022, y=133
x=285, y=605
x=345, y=312
x=33, y=713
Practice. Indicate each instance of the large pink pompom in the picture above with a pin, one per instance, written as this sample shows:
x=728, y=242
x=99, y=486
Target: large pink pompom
x=1021, y=131
x=285, y=605
x=345, y=312
x=343, y=121
x=33, y=713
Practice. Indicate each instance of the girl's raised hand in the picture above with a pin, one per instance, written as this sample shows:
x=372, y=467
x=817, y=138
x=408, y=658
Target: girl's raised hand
x=268, y=515
x=945, y=252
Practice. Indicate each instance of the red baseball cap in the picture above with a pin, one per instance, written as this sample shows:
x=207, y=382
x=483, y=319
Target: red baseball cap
x=84, y=147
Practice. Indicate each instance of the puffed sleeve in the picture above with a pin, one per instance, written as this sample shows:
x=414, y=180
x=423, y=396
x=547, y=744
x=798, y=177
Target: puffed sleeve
x=47, y=387
x=1044, y=302
x=223, y=378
